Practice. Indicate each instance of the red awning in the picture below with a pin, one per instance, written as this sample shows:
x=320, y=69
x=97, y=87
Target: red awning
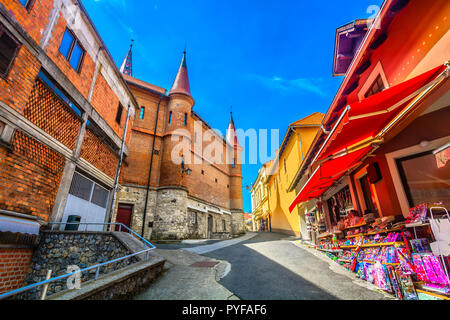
x=327, y=174
x=367, y=118
x=360, y=123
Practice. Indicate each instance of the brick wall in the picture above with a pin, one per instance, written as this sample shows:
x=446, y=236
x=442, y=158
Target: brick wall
x=82, y=80
x=205, y=187
x=15, y=89
x=14, y=264
x=30, y=174
x=139, y=160
x=140, y=140
x=46, y=110
x=106, y=103
x=95, y=151
x=33, y=20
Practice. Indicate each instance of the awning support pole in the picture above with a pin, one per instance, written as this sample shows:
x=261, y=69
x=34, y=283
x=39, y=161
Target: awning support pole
x=347, y=108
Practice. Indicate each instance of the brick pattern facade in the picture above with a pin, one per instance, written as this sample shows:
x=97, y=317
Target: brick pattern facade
x=29, y=176
x=106, y=103
x=99, y=154
x=14, y=264
x=17, y=87
x=46, y=110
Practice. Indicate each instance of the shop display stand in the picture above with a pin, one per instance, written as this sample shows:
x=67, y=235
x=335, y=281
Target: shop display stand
x=426, y=223
x=369, y=251
x=438, y=245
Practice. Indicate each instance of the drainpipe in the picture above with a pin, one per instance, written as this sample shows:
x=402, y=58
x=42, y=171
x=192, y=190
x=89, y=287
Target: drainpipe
x=301, y=146
x=151, y=165
x=119, y=167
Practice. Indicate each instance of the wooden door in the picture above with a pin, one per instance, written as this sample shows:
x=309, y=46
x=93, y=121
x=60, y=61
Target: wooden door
x=124, y=216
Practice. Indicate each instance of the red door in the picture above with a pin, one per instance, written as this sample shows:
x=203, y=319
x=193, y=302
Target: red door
x=124, y=216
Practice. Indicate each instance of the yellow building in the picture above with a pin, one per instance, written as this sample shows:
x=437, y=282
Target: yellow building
x=260, y=204
x=282, y=173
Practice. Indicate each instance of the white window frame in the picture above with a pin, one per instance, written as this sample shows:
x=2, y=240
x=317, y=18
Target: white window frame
x=406, y=152
x=377, y=71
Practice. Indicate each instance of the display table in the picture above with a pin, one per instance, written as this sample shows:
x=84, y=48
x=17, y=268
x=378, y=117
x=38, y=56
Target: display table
x=396, y=258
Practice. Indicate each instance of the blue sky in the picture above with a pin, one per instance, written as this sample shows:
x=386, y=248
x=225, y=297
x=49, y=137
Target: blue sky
x=270, y=60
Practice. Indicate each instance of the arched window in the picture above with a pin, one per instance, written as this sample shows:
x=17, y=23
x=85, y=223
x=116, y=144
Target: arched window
x=170, y=117
x=142, y=113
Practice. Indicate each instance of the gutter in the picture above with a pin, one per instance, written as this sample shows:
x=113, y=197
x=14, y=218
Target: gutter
x=151, y=165
x=119, y=166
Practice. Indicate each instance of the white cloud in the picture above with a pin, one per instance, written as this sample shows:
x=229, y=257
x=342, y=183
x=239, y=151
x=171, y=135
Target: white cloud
x=280, y=83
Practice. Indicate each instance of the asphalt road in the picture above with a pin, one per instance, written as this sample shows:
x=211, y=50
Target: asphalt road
x=271, y=267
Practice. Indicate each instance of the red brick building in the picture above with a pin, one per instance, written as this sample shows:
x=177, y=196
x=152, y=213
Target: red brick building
x=64, y=112
x=194, y=192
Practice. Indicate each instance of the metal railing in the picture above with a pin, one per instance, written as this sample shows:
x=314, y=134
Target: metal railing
x=96, y=267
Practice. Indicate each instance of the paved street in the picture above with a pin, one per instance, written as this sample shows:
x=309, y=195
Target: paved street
x=264, y=266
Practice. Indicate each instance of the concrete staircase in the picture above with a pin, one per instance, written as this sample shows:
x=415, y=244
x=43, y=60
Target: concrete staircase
x=133, y=244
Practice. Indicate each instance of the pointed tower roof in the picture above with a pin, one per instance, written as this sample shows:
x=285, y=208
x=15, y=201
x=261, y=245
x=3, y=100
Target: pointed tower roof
x=232, y=137
x=127, y=64
x=181, y=83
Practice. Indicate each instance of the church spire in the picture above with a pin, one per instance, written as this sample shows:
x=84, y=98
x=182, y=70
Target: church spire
x=181, y=83
x=127, y=65
x=232, y=137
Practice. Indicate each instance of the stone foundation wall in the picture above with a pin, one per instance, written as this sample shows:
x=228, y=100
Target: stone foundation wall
x=199, y=230
x=237, y=223
x=61, y=249
x=136, y=197
x=176, y=215
x=126, y=287
x=171, y=219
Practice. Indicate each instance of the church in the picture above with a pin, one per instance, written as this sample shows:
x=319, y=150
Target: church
x=181, y=179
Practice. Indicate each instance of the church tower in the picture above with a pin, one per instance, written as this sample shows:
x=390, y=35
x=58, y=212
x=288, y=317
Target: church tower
x=178, y=124
x=127, y=64
x=236, y=200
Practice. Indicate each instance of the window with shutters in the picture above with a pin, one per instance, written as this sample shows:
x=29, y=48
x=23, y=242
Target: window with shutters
x=88, y=190
x=9, y=47
x=81, y=187
x=100, y=196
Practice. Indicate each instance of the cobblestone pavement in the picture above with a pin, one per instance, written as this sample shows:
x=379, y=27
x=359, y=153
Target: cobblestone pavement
x=183, y=281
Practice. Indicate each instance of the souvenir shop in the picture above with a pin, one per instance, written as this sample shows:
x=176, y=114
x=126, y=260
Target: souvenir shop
x=385, y=199
x=408, y=258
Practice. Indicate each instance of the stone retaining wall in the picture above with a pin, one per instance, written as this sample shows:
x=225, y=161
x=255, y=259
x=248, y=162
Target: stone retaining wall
x=125, y=287
x=60, y=249
x=176, y=215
